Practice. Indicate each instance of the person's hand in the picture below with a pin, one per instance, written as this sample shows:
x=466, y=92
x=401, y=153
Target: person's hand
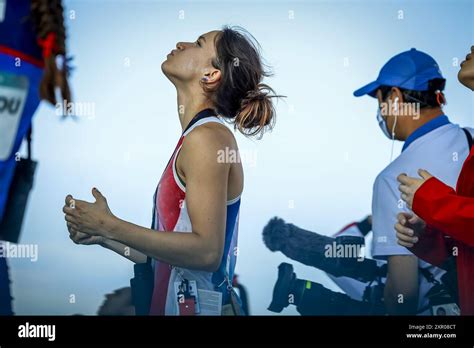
x=84, y=238
x=80, y=237
x=82, y=217
x=409, y=227
x=410, y=185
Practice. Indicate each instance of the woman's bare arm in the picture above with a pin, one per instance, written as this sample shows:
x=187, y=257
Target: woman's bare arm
x=206, y=197
x=121, y=249
x=124, y=250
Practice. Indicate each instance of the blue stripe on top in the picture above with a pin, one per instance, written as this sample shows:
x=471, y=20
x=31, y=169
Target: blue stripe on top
x=231, y=231
x=437, y=122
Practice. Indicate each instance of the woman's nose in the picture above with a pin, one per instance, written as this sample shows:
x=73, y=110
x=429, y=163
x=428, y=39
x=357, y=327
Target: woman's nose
x=181, y=45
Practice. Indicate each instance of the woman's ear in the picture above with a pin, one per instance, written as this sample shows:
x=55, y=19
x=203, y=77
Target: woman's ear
x=211, y=78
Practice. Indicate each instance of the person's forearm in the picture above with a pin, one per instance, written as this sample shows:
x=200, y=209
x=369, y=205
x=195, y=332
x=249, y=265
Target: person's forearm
x=187, y=250
x=397, y=303
x=124, y=250
x=402, y=288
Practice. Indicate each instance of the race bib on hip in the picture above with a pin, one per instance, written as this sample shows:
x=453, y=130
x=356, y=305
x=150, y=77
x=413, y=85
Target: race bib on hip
x=13, y=94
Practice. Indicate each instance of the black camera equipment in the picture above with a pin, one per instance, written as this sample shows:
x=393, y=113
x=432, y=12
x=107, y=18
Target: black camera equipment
x=314, y=299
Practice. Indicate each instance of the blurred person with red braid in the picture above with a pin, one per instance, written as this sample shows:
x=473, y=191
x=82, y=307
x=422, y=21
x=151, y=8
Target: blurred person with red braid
x=32, y=66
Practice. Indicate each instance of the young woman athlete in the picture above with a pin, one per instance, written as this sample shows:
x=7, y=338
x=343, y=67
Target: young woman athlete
x=193, y=240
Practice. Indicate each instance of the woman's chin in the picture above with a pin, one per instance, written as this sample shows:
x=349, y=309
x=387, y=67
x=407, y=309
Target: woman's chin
x=164, y=66
x=466, y=78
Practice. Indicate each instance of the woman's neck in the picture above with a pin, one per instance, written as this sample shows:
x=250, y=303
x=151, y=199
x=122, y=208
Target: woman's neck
x=189, y=104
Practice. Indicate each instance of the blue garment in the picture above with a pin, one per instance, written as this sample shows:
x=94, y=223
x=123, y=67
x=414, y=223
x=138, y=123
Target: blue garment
x=16, y=31
x=7, y=167
x=33, y=73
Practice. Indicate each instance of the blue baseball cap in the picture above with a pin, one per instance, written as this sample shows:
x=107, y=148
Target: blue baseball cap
x=410, y=70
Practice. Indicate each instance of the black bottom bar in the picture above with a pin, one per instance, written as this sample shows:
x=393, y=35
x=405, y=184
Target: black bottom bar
x=452, y=331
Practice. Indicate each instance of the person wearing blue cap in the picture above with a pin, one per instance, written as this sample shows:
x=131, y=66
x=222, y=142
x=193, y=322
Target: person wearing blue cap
x=409, y=91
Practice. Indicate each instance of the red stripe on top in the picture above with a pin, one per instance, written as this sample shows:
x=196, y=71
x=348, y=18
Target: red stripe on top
x=169, y=201
x=169, y=196
x=17, y=54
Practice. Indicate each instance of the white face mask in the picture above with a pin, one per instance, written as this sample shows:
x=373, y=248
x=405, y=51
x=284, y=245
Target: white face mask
x=383, y=125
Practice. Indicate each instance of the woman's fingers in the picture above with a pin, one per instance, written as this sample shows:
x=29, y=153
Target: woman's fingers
x=70, y=218
x=68, y=200
x=406, y=238
x=71, y=215
x=405, y=189
x=403, y=217
x=405, y=179
x=73, y=237
x=78, y=237
x=404, y=230
x=404, y=244
x=74, y=203
x=407, y=199
x=81, y=239
x=424, y=174
x=76, y=233
x=415, y=220
x=71, y=211
x=72, y=228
